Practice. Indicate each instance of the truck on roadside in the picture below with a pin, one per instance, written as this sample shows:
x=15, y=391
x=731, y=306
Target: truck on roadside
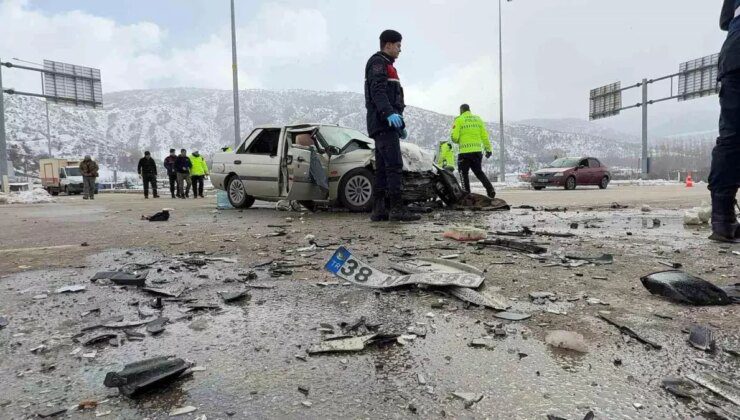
x=60, y=175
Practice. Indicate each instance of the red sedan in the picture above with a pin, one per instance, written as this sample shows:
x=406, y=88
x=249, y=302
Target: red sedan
x=570, y=172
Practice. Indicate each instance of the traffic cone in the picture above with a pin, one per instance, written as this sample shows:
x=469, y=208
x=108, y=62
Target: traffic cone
x=689, y=181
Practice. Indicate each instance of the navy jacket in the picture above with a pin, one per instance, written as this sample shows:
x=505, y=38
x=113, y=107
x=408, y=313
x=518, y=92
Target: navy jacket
x=729, y=57
x=383, y=93
x=169, y=164
x=183, y=164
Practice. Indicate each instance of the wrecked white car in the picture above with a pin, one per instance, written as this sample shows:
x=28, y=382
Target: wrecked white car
x=314, y=163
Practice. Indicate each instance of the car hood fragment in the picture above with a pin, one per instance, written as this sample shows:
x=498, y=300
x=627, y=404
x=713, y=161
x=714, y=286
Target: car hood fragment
x=685, y=288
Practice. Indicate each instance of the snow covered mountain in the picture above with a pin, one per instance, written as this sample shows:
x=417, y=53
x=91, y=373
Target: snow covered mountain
x=156, y=120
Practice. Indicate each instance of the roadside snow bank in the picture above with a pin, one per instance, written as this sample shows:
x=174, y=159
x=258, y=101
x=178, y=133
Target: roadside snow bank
x=37, y=195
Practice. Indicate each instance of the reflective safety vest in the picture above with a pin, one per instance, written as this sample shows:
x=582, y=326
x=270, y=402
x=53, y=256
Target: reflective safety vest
x=446, y=155
x=470, y=134
x=199, y=165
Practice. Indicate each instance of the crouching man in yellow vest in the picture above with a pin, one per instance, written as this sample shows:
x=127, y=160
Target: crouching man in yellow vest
x=446, y=156
x=470, y=134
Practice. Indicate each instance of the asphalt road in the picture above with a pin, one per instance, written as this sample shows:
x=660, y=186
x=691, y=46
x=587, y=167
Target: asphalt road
x=249, y=349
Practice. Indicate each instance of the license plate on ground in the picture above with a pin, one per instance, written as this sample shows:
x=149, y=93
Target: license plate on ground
x=345, y=266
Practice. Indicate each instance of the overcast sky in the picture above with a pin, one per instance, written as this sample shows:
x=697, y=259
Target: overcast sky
x=554, y=50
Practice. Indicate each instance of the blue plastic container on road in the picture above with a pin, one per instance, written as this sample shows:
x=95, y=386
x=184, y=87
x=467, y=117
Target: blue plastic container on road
x=222, y=200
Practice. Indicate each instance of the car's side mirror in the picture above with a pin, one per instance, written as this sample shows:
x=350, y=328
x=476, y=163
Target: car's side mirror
x=333, y=150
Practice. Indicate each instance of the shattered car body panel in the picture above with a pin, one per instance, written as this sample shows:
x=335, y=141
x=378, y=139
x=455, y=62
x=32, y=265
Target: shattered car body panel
x=271, y=163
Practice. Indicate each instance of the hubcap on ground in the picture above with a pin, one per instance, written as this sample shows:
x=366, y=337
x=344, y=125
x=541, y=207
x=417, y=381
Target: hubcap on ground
x=236, y=191
x=358, y=191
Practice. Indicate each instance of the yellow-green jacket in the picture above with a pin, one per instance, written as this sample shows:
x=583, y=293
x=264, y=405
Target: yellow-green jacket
x=470, y=134
x=199, y=165
x=446, y=155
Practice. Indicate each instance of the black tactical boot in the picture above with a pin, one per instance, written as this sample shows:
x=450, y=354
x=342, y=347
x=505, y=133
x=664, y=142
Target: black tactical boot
x=380, y=211
x=724, y=220
x=399, y=212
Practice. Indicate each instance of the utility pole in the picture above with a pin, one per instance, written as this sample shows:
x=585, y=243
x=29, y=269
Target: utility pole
x=502, y=150
x=237, y=130
x=3, y=145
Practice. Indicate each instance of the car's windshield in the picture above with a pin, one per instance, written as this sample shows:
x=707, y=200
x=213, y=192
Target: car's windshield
x=72, y=171
x=340, y=136
x=564, y=163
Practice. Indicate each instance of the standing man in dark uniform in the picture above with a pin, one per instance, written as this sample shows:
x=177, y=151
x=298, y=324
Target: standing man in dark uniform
x=724, y=177
x=385, y=105
x=148, y=172
x=169, y=164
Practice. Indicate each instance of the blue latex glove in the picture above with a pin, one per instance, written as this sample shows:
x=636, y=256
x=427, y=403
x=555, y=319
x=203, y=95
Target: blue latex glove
x=404, y=134
x=395, y=121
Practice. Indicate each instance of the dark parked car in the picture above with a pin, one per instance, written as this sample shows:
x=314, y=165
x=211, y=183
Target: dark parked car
x=570, y=172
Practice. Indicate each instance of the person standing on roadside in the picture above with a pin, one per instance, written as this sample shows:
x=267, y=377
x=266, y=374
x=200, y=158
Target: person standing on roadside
x=385, y=104
x=471, y=135
x=198, y=172
x=89, y=169
x=724, y=175
x=182, y=168
x=148, y=172
x=169, y=165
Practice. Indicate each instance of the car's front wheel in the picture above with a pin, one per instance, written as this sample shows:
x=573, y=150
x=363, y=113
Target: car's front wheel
x=237, y=192
x=604, y=183
x=356, y=190
x=570, y=183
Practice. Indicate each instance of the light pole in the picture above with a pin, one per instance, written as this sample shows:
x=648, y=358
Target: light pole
x=237, y=135
x=502, y=150
x=48, y=125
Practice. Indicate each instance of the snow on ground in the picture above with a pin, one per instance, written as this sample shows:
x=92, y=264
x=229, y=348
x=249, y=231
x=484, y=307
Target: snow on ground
x=36, y=195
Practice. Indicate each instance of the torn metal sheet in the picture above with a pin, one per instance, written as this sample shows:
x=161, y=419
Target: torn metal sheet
x=344, y=265
x=630, y=332
x=702, y=338
x=342, y=345
x=122, y=278
x=719, y=384
x=685, y=288
x=146, y=374
x=157, y=326
x=526, y=247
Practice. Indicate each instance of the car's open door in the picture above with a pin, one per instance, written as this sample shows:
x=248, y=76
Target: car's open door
x=306, y=181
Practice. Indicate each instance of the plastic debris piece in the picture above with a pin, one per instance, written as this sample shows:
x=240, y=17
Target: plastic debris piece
x=512, y=316
x=146, y=374
x=630, y=332
x=71, y=289
x=465, y=233
x=157, y=326
x=182, y=410
x=702, y=338
x=485, y=299
x=568, y=340
x=520, y=246
x=679, y=387
x=719, y=384
x=234, y=296
x=345, y=344
x=685, y=288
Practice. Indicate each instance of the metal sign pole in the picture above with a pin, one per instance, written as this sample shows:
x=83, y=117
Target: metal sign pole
x=48, y=124
x=237, y=129
x=645, y=167
x=3, y=144
x=502, y=151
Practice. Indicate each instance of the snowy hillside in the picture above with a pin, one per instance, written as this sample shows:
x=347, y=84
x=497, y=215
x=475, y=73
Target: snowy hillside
x=155, y=120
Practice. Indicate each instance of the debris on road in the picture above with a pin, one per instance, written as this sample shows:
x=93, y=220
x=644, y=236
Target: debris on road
x=718, y=383
x=679, y=387
x=145, y=375
x=527, y=247
x=568, y=340
x=702, y=338
x=161, y=216
x=157, y=326
x=685, y=288
x=465, y=233
x=512, y=316
x=344, y=345
x=344, y=265
x=51, y=412
x=122, y=278
x=182, y=411
x=229, y=297
x=469, y=398
x=630, y=332
x=71, y=289
x=603, y=259
x=3, y=322
x=485, y=299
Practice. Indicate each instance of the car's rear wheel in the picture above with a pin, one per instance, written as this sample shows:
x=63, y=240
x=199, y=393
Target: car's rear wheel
x=570, y=183
x=539, y=188
x=237, y=192
x=356, y=190
x=604, y=183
